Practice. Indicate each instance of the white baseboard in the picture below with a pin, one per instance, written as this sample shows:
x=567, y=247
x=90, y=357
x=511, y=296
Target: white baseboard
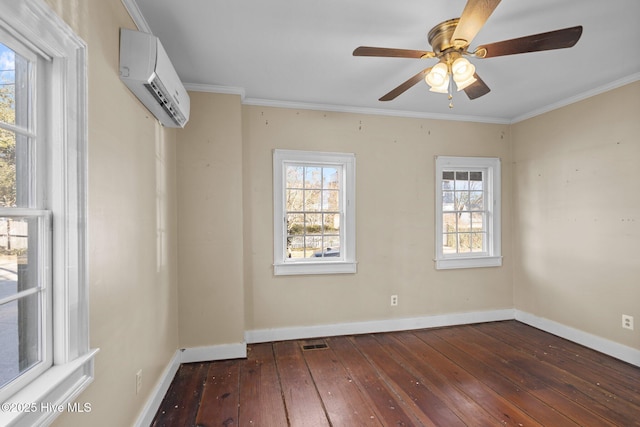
x=159, y=391
x=594, y=342
x=389, y=325
x=213, y=352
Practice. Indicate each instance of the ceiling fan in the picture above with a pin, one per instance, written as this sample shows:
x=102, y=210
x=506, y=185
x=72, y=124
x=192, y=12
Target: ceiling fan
x=450, y=42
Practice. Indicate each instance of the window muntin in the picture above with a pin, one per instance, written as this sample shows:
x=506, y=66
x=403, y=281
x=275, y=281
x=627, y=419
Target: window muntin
x=467, y=212
x=314, y=212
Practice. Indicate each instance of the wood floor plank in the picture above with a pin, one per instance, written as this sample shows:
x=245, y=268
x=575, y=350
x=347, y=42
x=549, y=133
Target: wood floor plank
x=450, y=374
x=426, y=371
x=387, y=405
x=342, y=399
x=619, y=378
x=304, y=406
x=180, y=405
x=494, y=374
x=572, y=379
x=220, y=397
x=261, y=401
x=510, y=390
x=504, y=359
x=430, y=408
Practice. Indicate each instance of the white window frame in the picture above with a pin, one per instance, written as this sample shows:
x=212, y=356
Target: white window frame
x=346, y=263
x=71, y=369
x=492, y=257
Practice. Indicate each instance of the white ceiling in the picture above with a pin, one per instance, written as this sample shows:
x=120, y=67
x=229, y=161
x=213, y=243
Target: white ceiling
x=298, y=53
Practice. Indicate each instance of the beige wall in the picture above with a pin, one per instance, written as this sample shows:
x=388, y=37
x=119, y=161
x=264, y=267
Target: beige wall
x=132, y=228
x=210, y=222
x=395, y=220
x=577, y=214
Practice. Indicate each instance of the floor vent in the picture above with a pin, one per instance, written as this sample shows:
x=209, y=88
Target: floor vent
x=316, y=345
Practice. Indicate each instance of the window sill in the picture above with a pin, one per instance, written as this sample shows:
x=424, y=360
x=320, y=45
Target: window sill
x=468, y=262
x=50, y=394
x=319, y=267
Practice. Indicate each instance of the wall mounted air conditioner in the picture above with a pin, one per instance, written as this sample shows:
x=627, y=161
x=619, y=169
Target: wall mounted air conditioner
x=147, y=71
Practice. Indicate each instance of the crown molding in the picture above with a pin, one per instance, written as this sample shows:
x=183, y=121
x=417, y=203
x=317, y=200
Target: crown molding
x=136, y=15
x=197, y=87
x=581, y=96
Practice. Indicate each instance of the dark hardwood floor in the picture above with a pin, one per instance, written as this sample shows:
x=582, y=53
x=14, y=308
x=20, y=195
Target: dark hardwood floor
x=490, y=374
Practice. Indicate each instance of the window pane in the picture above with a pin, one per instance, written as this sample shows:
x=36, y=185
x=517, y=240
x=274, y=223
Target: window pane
x=295, y=199
x=295, y=247
x=313, y=177
x=7, y=85
x=19, y=336
x=477, y=242
x=449, y=243
x=312, y=244
x=331, y=223
x=15, y=91
x=464, y=242
x=461, y=200
x=18, y=265
x=313, y=223
x=312, y=200
x=295, y=223
x=449, y=222
x=331, y=179
x=7, y=168
x=294, y=176
x=476, y=200
x=477, y=221
x=331, y=200
x=475, y=176
x=448, y=201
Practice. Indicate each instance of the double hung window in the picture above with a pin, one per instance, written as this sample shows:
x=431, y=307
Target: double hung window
x=25, y=222
x=314, y=212
x=468, y=212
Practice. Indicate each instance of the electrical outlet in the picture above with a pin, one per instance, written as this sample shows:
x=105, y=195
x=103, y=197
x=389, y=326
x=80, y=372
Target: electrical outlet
x=394, y=300
x=138, y=381
x=627, y=321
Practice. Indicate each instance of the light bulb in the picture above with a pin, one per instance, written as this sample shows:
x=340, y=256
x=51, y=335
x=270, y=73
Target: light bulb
x=438, y=75
x=463, y=73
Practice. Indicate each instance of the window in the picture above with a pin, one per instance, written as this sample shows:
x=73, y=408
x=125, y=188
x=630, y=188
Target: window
x=314, y=212
x=24, y=222
x=44, y=342
x=468, y=212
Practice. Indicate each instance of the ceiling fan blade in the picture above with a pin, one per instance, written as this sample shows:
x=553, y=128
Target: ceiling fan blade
x=477, y=88
x=558, y=39
x=406, y=85
x=474, y=15
x=392, y=53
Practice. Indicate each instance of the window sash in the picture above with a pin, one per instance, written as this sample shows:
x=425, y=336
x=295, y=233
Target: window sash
x=38, y=249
